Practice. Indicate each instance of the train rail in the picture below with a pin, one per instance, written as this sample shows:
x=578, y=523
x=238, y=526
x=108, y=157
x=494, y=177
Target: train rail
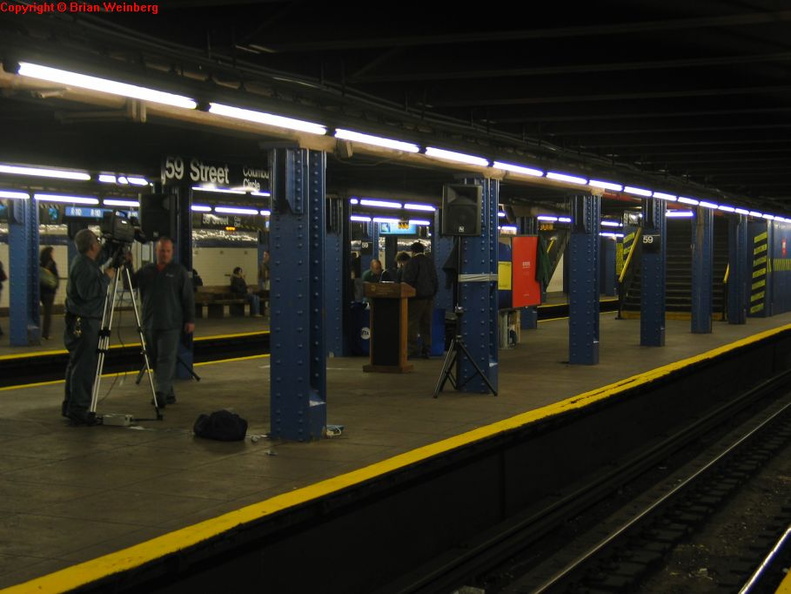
x=613, y=532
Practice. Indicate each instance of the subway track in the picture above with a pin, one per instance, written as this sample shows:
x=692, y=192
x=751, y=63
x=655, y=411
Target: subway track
x=616, y=532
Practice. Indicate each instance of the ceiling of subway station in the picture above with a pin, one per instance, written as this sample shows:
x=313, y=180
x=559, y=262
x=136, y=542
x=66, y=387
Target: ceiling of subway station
x=688, y=98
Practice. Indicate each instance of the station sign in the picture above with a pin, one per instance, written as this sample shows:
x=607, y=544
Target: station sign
x=177, y=169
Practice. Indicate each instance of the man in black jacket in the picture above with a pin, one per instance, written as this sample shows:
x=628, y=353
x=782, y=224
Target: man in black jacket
x=421, y=274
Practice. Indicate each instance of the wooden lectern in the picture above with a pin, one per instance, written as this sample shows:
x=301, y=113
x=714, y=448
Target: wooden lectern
x=389, y=317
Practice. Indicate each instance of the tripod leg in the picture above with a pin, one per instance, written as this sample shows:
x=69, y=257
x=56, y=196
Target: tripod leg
x=104, y=341
x=447, y=368
x=189, y=369
x=478, y=370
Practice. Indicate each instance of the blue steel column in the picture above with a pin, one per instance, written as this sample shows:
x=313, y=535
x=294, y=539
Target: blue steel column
x=584, y=280
x=702, y=271
x=739, y=258
x=608, y=278
x=652, y=277
x=333, y=278
x=297, y=344
x=478, y=295
x=528, y=317
x=23, y=318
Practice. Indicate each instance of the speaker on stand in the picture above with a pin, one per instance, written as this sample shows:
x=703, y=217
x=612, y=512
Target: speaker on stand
x=158, y=216
x=461, y=210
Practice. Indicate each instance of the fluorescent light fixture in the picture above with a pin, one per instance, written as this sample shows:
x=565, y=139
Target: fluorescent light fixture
x=610, y=234
x=353, y=201
x=564, y=177
x=200, y=208
x=380, y=203
x=265, y=213
x=105, y=86
x=768, y=217
x=705, y=204
x=547, y=218
x=518, y=169
x=685, y=200
x=260, y=117
x=422, y=207
x=501, y=214
x=42, y=172
x=663, y=196
x=564, y=219
x=110, y=178
x=419, y=222
x=508, y=228
x=360, y=219
x=755, y=213
x=376, y=141
x=218, y=190
x=66, y=199
x=385, y=220
x=125, y=203
x=236, y=210
x=678, y=214
x=726, y=208
x=14, y=195
x=637, y=191
x=611, y=224
x=261, y=194
x=741, y=211
x=596, y=183
x=439, y=153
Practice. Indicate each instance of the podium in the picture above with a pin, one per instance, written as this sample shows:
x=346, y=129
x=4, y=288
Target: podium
x=389, y=317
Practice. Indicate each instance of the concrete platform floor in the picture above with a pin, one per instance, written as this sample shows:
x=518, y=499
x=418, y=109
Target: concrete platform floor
x=72, y=494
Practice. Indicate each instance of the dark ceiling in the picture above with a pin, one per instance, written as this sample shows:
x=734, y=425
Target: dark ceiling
x=688, y=97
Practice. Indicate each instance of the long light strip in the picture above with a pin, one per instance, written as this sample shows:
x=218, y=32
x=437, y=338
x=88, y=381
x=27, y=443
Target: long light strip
x=200, y=208
x=269, y=119
x=637, y=191
x=379, y=203
x=114, y=202
x=236, y=210
x=597, y=183
x=420, y=207
x=685, y=200
x=376, y=140
x=43, y=172
x=663, y=196
x=572, y=179
x=12, y=195
x=518, y=169
x=66, y=199
x=103, y=85
x=446, y=155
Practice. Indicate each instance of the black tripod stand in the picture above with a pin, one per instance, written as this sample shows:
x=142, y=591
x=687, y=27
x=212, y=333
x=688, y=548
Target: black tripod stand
x=457, y=344
x=104, y=336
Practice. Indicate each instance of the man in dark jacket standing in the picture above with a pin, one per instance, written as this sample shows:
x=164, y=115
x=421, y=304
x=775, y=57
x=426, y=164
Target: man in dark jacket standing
x=86, y=292
x=168, y=310
x=421, y=274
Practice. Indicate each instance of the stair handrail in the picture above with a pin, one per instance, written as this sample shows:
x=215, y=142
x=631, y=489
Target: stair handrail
x=628, y=272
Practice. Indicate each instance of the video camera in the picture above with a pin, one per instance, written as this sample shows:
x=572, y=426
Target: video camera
x=119, y=230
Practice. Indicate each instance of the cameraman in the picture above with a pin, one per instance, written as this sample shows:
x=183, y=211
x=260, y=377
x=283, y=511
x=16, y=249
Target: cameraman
x=85, y=297
x=168, y=309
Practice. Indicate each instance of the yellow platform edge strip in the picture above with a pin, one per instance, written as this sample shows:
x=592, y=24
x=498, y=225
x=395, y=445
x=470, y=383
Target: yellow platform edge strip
x=102, y=567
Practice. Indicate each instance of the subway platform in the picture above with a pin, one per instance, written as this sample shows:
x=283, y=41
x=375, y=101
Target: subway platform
x=79, y=501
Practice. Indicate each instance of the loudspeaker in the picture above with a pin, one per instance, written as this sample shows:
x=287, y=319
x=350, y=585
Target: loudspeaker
x=461, y=210
x=158, y=216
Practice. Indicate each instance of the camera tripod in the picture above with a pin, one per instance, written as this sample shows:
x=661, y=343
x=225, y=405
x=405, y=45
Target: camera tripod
x=104, y=337
x=456, y=347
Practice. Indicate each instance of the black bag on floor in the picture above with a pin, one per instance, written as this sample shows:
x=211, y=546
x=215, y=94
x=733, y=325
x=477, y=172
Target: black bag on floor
x=222, y=425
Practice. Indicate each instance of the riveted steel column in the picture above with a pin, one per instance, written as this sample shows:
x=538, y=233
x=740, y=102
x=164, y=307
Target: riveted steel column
x=738, y=278
x=652, y=277
x=584, y=280
x=478, y=295
x=297, y=343
x=333, y=278
x=23, y=317
x=702, y=270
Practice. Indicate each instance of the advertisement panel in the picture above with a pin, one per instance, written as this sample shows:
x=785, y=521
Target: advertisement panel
x=525, y=288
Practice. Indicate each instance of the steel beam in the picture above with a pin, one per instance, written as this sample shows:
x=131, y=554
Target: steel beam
x=702, y=270
x=584, y=280
x=298, y=369
x=24, y=305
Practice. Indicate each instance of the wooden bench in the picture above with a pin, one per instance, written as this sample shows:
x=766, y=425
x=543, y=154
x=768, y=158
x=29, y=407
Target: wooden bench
x=216, y=297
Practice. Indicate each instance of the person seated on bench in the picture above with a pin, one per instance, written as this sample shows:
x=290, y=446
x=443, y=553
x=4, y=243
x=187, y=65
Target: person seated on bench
x=239, y=288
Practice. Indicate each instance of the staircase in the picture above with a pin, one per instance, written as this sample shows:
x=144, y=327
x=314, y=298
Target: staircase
x=678, y=272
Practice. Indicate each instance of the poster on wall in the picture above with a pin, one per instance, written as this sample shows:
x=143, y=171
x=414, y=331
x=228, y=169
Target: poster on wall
x=525, y=288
